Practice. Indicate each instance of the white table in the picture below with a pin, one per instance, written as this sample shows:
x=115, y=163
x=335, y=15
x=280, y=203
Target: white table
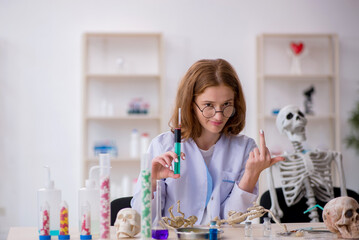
x=237, y=232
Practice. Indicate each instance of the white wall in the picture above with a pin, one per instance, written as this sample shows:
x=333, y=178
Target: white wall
x=40, y=73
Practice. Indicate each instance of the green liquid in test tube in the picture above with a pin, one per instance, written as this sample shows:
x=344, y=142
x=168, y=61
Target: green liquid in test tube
x=146, y=216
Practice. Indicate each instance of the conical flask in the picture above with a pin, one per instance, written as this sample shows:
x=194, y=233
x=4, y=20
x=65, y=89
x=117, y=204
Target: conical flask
x=159, y=230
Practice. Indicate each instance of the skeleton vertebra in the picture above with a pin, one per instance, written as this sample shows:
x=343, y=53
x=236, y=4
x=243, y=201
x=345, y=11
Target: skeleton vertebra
x=128, y=223
x=341, y=216
x=303, y=173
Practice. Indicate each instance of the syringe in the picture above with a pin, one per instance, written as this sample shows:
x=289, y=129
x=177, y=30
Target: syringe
x=178, y=144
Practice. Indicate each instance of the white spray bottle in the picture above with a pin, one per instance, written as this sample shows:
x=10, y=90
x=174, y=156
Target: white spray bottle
x=90, y=195
x=53, y=198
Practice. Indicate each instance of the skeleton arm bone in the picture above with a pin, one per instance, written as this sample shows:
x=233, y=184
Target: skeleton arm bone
x=178, y=208
x=276, y=220
x=339, y=163
x=273, y=195
x=252, y=213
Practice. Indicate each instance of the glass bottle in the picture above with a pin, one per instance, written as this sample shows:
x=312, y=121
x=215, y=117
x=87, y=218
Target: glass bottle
x=248, y=229
x=52, y=196
x=159, y=231
x=213, y=231
x=267, y=227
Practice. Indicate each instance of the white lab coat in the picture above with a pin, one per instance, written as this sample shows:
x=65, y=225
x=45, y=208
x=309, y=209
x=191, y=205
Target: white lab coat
x=194, y=188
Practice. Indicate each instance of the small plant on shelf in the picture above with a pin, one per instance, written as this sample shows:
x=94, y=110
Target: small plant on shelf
x=353, y=139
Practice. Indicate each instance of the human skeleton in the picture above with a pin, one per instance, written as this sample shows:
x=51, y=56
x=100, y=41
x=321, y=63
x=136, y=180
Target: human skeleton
x=303, y=173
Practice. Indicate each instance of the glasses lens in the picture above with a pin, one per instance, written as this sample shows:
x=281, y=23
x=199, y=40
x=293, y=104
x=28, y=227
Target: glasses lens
x=209, y=112
x=228, y=111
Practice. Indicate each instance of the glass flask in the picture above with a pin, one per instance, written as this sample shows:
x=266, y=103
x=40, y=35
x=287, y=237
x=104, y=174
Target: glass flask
x=159, y=230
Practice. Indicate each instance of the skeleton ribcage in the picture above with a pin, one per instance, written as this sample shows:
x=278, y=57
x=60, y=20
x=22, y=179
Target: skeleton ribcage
x=313, y=165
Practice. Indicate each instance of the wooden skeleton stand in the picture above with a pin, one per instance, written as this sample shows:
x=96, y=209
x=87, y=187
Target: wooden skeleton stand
x=303, y=174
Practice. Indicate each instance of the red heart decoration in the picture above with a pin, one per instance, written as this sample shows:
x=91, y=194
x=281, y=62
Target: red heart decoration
x=297, y=48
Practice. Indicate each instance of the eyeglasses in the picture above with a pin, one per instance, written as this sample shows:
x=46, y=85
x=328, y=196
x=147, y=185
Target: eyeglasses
x=209, y=111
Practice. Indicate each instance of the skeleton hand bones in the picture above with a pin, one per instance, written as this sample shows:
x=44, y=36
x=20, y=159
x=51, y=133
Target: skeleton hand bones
x=252, y=213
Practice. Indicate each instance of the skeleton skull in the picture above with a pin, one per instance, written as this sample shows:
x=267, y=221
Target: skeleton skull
x=128, y=223
x=292, y=121
x=341, y=216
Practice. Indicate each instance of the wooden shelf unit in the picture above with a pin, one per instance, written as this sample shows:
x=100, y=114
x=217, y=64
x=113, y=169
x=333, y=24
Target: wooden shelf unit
x=117, y=68
x=277, y=87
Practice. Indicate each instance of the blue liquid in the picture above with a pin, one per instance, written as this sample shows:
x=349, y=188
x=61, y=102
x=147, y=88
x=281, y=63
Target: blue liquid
x=213, y=233
x=160, y=234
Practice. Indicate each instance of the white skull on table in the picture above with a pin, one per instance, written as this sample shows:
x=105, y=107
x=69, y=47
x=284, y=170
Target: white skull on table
x=292, y=121
x=341, y=216
x=128, y=223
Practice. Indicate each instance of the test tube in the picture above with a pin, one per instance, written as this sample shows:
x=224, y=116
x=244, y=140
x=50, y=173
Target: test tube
x=146, y=190
x=86, y=221
x=105, y=166
x=64, y=221
x=45, y=222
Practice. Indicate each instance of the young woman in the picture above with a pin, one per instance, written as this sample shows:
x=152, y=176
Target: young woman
x=221, y=166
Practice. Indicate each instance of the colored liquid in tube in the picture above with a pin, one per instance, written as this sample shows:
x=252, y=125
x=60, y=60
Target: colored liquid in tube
x=64, y=221
x=105, y=214
x=160, y=233
x=146, y=221
x=85, y=221
x=44, y=229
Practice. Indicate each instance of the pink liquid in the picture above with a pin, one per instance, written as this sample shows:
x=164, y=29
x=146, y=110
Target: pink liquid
x=105, y=208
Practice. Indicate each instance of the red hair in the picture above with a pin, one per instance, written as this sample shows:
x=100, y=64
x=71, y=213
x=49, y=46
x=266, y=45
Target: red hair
x=201, y=75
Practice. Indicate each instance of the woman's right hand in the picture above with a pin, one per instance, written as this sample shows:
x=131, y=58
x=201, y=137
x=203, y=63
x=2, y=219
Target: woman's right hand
x=162, y=165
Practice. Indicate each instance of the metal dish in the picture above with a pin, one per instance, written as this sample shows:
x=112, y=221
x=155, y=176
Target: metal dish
x=195, y=233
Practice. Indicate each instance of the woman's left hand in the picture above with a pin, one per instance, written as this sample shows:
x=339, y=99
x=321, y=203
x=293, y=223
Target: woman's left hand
x=260, y=159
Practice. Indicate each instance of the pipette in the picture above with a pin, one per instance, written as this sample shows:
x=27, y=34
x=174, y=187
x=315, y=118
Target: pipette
x=178, y=144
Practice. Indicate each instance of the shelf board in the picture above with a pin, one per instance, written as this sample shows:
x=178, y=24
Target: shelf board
x=290, y=77
x=308, y=117
x=108, y=77
x=115, y=160
x=129, y=117
x=122, y=35
x=297, y=35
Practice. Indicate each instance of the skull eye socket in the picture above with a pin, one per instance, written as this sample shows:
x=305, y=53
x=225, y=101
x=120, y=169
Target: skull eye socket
x=300, y=114
x=349, y=213
x=128, y=216
x=289, y=116
x=120, y=216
